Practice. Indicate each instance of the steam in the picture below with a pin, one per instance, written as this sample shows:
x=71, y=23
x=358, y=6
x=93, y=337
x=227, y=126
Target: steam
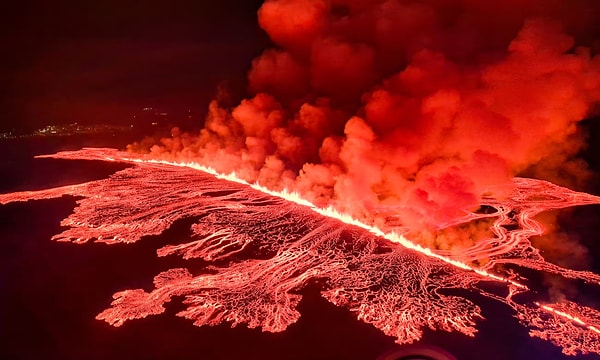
x=410, y=108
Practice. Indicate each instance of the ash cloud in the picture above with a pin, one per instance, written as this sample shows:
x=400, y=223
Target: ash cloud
x=415, y=108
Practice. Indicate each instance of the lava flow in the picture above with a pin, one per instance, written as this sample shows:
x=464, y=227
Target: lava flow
x=385, y=151
x=260, y=248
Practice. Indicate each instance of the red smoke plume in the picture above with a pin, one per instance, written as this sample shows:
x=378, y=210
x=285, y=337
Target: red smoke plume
x=411, y=108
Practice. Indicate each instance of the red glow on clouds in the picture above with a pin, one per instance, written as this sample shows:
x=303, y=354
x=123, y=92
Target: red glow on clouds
x=397, y=120
x=417, y=106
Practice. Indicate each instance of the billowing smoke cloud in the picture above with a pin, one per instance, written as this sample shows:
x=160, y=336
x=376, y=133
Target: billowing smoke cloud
x=406, y=110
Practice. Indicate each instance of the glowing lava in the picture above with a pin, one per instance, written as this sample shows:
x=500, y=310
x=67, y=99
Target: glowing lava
x=265, y=246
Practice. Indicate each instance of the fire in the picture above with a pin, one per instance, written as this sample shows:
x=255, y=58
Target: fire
x=562, y=322
x=415, y=106
x=332, y=213
x=567, y=316
x=272, y=243
x=370, y=123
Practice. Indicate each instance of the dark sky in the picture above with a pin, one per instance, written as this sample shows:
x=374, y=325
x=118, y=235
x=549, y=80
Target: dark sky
x=101, y=61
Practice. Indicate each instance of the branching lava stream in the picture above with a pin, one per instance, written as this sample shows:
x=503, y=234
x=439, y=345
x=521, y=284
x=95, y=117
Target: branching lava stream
x=266, y=246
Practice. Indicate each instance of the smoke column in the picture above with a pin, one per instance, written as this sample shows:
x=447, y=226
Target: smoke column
x=410, y=108
x=407, y=117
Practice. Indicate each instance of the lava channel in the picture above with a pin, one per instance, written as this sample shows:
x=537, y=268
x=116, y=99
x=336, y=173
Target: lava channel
x=264, y=247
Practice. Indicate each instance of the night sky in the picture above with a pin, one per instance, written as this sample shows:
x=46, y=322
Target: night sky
x=103, y=62
x=99, y=62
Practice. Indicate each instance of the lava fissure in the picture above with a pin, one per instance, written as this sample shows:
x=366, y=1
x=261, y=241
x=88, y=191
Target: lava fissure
x=394, y=285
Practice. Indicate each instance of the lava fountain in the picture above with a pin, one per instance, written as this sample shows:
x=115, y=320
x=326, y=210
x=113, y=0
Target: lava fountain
x=262, y=247
x=370, y=125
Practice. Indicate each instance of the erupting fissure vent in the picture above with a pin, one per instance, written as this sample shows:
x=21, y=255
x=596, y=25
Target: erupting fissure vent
x=265, y=246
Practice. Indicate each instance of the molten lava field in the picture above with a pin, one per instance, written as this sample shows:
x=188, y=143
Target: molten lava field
x=252, y=251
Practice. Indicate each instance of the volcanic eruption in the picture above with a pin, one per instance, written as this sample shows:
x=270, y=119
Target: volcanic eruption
x=381, y=153
x=414, y=106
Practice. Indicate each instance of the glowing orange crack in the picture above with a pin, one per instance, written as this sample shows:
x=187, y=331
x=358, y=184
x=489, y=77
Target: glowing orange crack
x=569, y=317
x=219, y=294
x=330, y=212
